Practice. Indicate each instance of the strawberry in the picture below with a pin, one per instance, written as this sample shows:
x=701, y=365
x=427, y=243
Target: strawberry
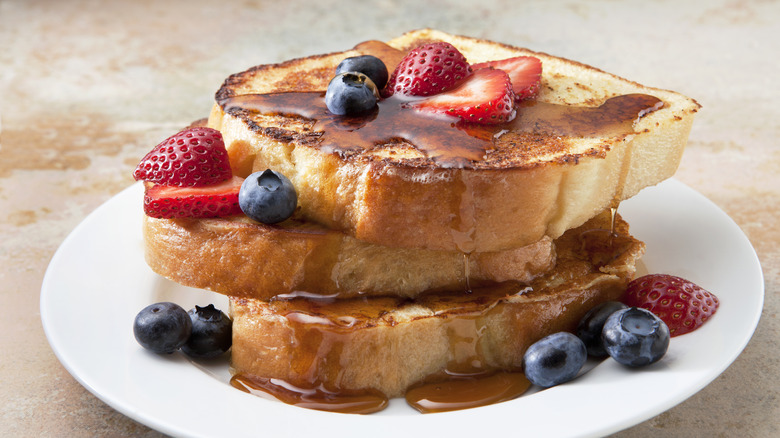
x=485, y=97
x=428, y=70
x=525, y=72
x=194, y=157
x=681, y=304
x=217, y=200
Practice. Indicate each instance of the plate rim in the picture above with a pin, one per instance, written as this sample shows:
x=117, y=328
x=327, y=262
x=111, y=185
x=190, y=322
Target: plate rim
x=171, y=427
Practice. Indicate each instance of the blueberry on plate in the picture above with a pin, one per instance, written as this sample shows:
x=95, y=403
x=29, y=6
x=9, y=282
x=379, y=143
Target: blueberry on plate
x=351, y=93
x=592, y=324
x=635, y=337
x=162, y=327
x=212, y=333
x=554, y=359
x=267, y=197
x=369, y=65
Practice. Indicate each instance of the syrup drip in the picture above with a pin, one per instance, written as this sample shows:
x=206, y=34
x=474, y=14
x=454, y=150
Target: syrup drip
x=319, y=398
x=603, y=246
x=467, y=271
x=612, y=221
x=464, y=392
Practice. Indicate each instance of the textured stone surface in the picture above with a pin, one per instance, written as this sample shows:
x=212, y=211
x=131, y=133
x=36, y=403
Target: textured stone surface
x=86, y=87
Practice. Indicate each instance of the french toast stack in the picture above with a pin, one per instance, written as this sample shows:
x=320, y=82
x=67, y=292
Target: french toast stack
x=401, y=265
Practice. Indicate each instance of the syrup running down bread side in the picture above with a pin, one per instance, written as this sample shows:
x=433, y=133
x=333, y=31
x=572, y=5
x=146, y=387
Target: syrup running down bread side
x=322, y=329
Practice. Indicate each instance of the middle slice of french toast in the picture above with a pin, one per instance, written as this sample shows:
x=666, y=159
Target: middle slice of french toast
x=239, y=257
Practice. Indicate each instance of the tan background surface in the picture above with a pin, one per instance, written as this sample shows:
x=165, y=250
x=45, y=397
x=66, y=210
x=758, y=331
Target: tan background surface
x=87, y=87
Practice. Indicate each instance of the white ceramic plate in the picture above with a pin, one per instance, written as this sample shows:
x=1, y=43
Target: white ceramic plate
x=98, y=280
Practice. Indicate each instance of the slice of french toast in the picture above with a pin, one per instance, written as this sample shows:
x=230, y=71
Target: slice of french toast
x=239, y=257
x=537, y=176
x=387, y=344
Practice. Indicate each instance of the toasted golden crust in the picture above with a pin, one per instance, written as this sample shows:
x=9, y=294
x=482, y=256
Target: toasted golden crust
x=388, y=344
x=531, y=184
x=239, y=257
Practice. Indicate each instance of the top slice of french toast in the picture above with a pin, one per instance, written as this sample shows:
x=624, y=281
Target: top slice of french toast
x=399, y=178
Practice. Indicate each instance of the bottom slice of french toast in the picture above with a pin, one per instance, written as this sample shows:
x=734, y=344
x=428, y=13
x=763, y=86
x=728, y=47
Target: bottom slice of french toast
x=388, y=344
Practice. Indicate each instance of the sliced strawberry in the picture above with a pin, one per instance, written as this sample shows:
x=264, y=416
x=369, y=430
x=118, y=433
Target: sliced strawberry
x=681, y=304
x=194, y=157
x=428, y=70
x=216, y=200
x=525, y=72
x=485, y=97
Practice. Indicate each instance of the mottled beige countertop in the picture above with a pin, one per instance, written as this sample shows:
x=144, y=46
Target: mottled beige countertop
x=87, y=87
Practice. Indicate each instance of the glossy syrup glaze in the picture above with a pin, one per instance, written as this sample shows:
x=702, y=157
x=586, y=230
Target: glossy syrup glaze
x=444, y=140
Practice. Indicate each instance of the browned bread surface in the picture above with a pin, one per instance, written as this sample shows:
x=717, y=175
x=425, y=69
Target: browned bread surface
x=239, y=257
x=528, y=185
x=389, y=343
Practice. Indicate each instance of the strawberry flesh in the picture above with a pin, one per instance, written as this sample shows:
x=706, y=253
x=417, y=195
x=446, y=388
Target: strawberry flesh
x=525, y=72
x=427, y=70
x=485, y=97
x=195, y=157
x=218, y=200
x=681, y=304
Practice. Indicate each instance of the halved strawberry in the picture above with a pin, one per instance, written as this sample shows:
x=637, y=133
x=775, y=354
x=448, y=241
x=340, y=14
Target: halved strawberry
x=525, y=72
x=218, y=200
x=194, y=157
x=681, y=304
x=485, y=97
x=428, y=70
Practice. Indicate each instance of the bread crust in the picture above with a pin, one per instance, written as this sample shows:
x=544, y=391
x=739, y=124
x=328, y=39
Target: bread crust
x=394, y=196
x=389, y=344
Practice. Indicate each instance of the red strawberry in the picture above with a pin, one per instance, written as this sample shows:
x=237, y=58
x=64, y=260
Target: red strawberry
x=428, y=70
x=682, y=305
x=217, y=200
x=194, y=157
x=485, y=97
x=525, y=72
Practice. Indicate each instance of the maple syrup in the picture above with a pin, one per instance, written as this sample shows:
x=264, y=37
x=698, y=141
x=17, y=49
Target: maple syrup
x=612, y=219
x=322, y=327
x=319, y=398
x=446, y=141
x=467, y=271
x=466, y=391
x=602, y=246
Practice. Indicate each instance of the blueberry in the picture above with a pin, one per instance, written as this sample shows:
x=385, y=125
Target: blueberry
x=554, y=359
x=267, y=197
x=369, y=65
x=212, y=333
x=351, y=93
x=635, y=337
x=162, y=327
x=591, y=325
